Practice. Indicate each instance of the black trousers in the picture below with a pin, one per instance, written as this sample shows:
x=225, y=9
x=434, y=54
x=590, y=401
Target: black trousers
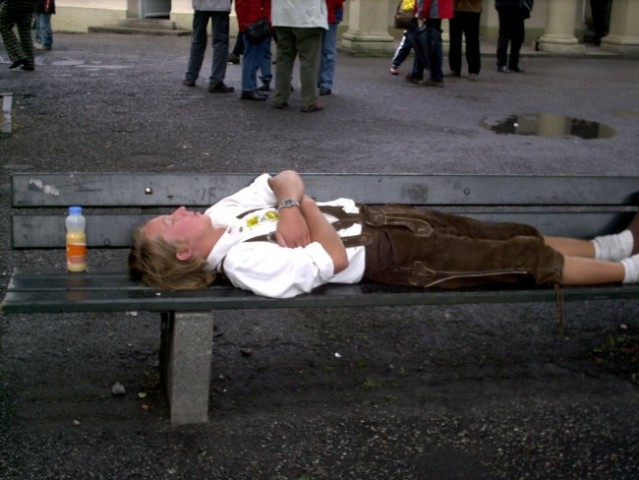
x=511, y=30
x=464, y=24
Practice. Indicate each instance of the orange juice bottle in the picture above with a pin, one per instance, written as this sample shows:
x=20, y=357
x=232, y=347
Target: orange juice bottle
x=76, y=240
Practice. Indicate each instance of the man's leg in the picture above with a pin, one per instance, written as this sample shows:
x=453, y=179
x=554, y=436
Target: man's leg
x=587, y=271
x=309, y=42
x=220, y=22
x=198, y=44
x=329, y=58
x=285, y=59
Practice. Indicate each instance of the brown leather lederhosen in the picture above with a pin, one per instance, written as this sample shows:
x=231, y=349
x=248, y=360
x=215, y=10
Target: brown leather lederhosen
x=410, y=246
x=427, y=248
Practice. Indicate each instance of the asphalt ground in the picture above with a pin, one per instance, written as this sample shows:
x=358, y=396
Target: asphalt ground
x=452, y=392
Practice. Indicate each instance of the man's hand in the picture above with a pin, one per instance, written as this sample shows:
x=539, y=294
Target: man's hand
x=292, y=229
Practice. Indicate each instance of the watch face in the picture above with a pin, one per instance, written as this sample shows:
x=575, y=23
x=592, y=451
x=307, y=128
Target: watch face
x=289, y=202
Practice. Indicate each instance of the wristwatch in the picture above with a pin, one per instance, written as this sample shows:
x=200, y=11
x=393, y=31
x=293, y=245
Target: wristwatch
x=287, y=203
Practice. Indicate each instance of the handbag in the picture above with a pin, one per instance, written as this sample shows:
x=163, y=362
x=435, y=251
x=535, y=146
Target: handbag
x=256, y=32
x=405, y=15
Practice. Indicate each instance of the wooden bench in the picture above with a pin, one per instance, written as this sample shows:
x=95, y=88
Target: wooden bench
x=115, y=203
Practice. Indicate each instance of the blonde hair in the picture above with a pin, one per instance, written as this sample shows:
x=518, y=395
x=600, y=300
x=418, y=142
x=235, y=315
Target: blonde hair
x=155, y=262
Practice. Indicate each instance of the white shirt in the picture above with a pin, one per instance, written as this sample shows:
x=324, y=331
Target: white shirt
x=265, y=268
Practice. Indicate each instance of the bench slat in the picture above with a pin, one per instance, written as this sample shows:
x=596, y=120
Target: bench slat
x=106, y=292
x=116, y=190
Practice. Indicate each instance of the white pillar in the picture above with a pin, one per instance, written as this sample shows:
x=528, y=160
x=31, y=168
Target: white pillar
x=559, y=36
x=368, y=27
x=624, y=28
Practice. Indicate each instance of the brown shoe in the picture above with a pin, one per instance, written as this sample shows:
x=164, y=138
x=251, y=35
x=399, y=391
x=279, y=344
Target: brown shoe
x=316, y=107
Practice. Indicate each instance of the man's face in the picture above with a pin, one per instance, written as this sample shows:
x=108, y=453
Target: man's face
x=180, y=228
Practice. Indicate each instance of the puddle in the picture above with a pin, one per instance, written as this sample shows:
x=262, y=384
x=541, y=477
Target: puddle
x=548, y=125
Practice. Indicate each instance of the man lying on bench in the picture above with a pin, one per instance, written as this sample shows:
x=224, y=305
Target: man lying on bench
x=274, y=240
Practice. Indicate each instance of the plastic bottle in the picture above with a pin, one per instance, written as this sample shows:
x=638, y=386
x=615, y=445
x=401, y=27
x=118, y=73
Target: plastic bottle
x=76, y=240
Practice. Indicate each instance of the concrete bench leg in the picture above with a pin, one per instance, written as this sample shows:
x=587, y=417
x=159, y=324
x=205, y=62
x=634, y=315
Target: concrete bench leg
x=185, y=362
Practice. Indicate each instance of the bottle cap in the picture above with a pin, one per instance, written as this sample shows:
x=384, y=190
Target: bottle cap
x=75, y=210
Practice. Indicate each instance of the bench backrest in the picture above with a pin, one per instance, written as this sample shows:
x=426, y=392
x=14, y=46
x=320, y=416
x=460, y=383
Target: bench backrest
x=117, y=202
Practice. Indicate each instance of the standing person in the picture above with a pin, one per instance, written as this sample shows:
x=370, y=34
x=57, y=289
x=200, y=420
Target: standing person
x=276, y=241
x=255, y=54
x=432, y=12
x=218, y=12
x=465, y=22
x=512, y=15
x=298, y=26
x=19, y=49
x=44, y=34
x=329, y=46
x=599, y=13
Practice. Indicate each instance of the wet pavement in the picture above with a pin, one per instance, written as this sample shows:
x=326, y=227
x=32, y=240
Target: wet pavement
x=455, y=392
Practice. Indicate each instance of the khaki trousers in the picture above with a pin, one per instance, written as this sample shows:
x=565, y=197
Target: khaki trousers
x=291, y=42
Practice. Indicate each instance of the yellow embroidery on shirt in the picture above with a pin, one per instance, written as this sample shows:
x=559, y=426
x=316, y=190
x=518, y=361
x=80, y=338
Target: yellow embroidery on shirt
x=268, y=216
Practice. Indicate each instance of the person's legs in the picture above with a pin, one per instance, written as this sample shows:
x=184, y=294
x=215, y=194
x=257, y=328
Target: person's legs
x=44, y=34
x=26, y=40
x=309, y=44
x=198, y=44
x=220, y=23
x=401, y=54
x=285, y=59
x=503, y=37
x=435, y=53
x=518, y=33
x=455, y=48
x=252, y=59
x=587, y=271
x=266, y=74
x=571, y=246
x=328, y=58
x=471, y=33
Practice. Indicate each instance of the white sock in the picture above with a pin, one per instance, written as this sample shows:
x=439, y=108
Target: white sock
x=613, y=247
x=631, y=266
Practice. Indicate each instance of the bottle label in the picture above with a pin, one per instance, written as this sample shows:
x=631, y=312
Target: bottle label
x=76, y=257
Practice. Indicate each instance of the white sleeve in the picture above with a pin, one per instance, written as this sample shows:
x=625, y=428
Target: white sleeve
x=272, y=271
x=257, y=195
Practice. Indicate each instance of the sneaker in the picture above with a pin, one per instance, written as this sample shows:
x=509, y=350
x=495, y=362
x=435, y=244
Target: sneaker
x=266, y=87
x=220, y=88
x=39, y=46
x=187, y=82
x=324, y=91
x=503, y=69
x=233, y=59
x=394, y=70
x=472, y=77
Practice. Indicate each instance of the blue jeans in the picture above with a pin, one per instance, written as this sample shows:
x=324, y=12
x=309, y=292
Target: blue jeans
x=43, y=33
x=329, y=57
x=434, y=48
x=256, y=56
x=220, y=25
